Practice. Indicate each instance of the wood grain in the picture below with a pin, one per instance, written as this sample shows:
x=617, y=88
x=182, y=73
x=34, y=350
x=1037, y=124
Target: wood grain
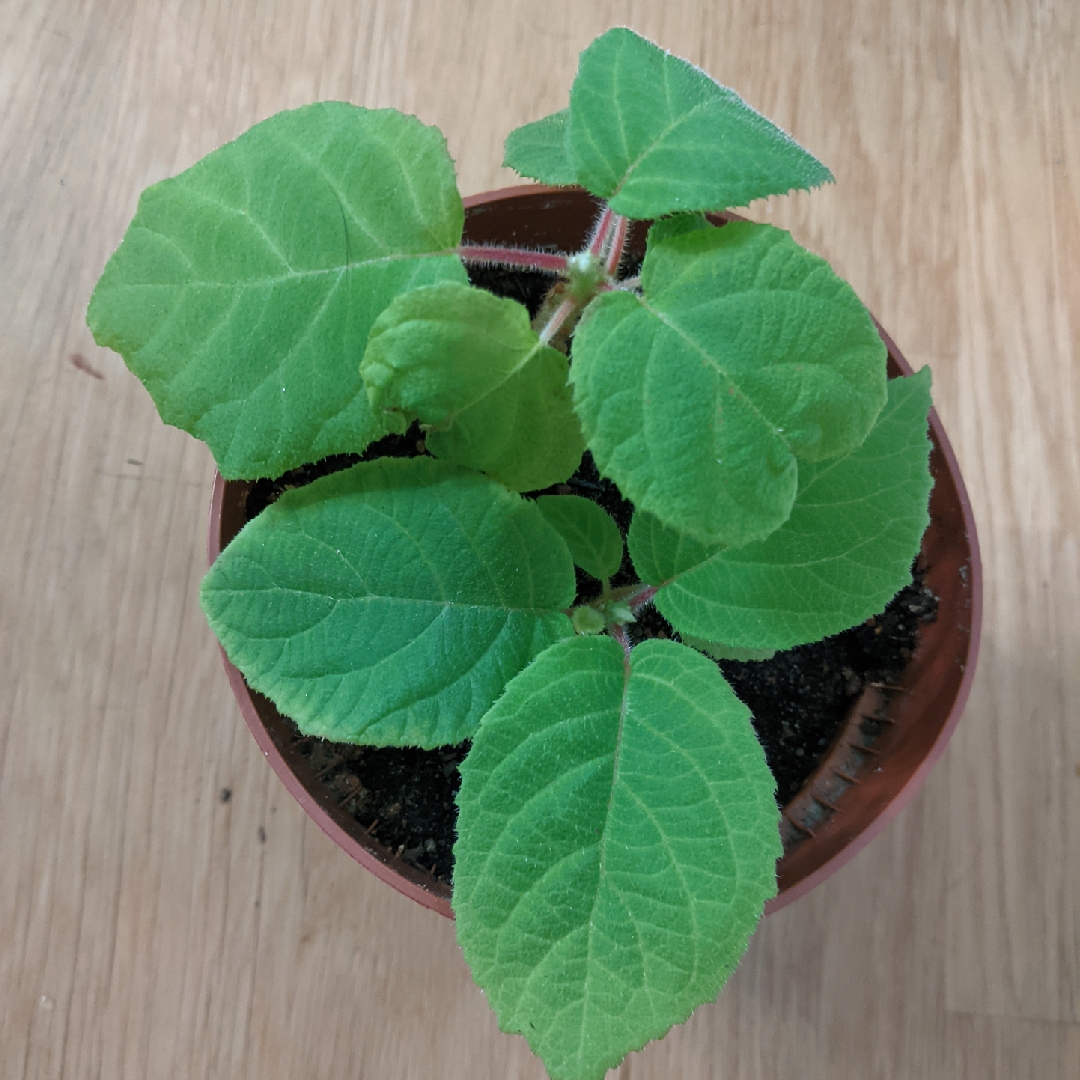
x=147, y=928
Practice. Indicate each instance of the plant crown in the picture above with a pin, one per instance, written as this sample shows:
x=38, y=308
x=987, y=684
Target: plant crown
x=302, y=292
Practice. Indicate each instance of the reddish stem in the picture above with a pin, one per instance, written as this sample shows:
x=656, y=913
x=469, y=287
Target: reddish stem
x=517, y=257
x=642, y=598
x=618, y=242
x=562, y=313
x=600, y=233
x=620, y=635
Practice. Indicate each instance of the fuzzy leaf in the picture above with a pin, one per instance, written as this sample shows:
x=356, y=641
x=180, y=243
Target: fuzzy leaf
x=389, y=604
x=244, y=290
x=843, y=554
x=469, y=365
x=526, y=435
x=617, y=841
x=660, y=554
x=594, y=540
x=725, y=652
x=538, y=150
x=744, y=352
x=653, y=134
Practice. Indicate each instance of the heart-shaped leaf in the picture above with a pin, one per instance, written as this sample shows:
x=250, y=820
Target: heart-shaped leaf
x=389, y=604
x=653, y=135
x=469, y=365
x=744, y=352
x=244, y=290
x=843, y=554
x=617, y=841
x=594, y=540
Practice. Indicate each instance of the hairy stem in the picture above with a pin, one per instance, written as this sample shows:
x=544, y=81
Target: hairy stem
x=555, y=323
x=638, y=600
x=620, y=635
x=635, y=596
x=519, y=258
x=618, y=234
x=600, y=232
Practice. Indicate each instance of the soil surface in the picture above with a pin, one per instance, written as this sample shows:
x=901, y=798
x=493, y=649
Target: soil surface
x=799, y=699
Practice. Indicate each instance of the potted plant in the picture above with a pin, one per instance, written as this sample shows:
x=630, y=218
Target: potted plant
x=302, y=292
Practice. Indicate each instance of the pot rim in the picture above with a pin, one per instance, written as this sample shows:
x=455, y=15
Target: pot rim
x=414, y=883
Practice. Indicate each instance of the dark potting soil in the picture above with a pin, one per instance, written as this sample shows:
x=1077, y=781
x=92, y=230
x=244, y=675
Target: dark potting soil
x=528, y=287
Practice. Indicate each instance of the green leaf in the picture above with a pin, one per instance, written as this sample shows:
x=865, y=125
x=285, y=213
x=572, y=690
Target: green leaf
x=389, y=604
x=725, y=652
x=744, y=352
x=538, y=150
x=438, y=351
x=469, y=364
x=594, y=540
x=525, y=434
x=843, y=554
x=660, y=554
x=244, y=290
x=617, y=840
x=653, y=134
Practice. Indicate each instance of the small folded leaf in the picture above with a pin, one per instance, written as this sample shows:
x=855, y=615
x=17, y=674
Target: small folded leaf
x=469, y=364
x=594, y=540
x=843, y=554
x=244, y=290
x=653, y=135
x=744, y=352
x=525, y=433
x=617, y=841
x=675, y=225
x=538, y=150
x=389, y=604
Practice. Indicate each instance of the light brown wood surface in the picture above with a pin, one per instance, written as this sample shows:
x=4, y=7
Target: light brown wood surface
x=145, y=929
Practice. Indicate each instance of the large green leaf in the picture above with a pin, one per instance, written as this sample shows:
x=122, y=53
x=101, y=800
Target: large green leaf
x=617, y=840
x=594, y=540
x=653, y=134
x=390, y=603
x=843, y=554
x=538, y=150
x=468, y=364
x=744, y=352
x=244, y=290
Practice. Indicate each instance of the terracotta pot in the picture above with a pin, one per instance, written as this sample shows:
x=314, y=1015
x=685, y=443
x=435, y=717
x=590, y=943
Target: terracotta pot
x=893, y=735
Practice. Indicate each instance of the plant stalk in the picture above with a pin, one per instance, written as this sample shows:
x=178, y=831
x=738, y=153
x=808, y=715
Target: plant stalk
x=555, y=323
x=617, y=243
x=600, y=233
x=518, y=258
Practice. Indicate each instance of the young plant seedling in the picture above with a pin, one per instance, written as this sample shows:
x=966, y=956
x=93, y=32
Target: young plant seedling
x=303, y=292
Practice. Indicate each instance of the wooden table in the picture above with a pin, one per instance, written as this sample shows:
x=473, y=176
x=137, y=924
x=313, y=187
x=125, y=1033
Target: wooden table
x=150, y=928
